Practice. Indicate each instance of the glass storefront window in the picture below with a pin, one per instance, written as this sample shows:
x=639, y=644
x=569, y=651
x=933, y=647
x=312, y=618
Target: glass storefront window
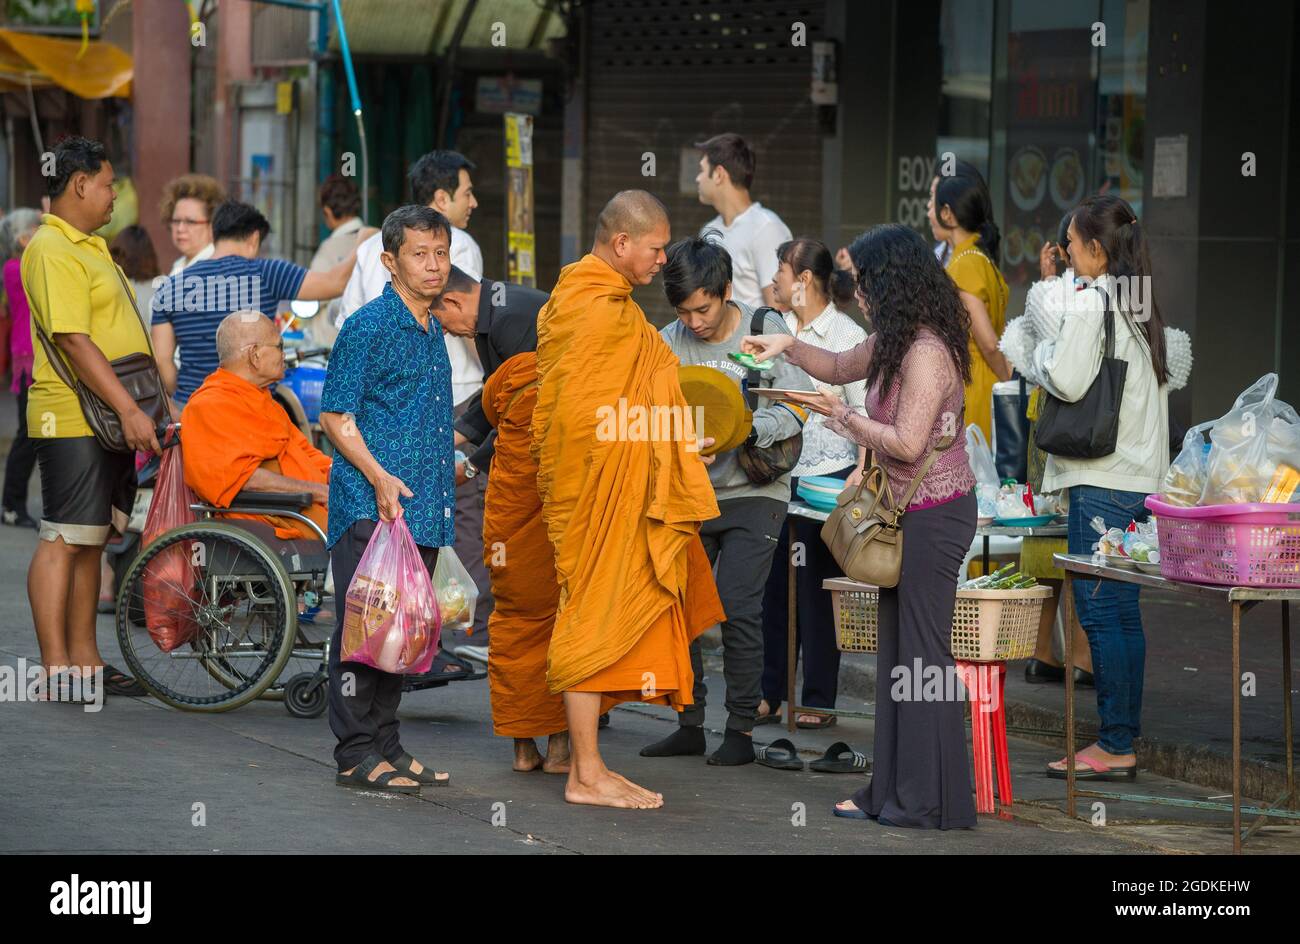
x=1067, y=118
x=966, y=43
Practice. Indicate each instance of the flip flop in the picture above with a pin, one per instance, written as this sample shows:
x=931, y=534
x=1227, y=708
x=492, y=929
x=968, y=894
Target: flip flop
x=426, y=777
x=359, y=778
x=438, y=674
x=851, y=814
x=779, y=755
x=824, y=721
x=117, y=682
x=772, y=717
x=841, y=759
x=1096, y=771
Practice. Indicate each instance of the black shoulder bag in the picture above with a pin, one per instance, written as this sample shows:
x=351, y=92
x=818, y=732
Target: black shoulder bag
x=765, y=464
x=1089, y=427
x=137, y=373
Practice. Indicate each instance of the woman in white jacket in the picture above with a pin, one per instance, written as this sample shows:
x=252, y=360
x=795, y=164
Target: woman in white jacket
x=1109, y=256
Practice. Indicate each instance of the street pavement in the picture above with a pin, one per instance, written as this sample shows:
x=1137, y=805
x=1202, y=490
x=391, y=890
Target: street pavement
x=140, y=777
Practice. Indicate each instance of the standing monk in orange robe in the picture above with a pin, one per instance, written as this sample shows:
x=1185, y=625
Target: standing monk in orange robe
x=622, y=506
x=519, y=557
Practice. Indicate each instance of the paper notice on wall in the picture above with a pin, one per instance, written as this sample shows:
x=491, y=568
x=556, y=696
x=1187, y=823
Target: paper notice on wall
x=1169, y=167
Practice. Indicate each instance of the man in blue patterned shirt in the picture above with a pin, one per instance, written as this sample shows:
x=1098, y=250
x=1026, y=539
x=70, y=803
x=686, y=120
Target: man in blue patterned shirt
x=387, y=408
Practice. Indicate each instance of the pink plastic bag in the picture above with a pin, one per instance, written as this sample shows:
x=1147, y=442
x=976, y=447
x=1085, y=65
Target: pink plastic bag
x=390, y=614
x=169, y=585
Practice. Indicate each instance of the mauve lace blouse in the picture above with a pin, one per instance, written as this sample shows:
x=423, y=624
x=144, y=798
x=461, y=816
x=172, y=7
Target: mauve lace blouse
x=925, y=402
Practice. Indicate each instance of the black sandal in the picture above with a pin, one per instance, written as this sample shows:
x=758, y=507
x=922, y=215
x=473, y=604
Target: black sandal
x=779, y=755
x=426, y=776
x=841, y=759
x=117, y=682
x=359, y=779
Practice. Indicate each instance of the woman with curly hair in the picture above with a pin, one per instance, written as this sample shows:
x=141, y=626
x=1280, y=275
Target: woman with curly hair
x=188, y=203
x=916, y=366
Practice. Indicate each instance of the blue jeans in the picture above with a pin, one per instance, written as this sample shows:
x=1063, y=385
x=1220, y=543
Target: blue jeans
x=1108, y=612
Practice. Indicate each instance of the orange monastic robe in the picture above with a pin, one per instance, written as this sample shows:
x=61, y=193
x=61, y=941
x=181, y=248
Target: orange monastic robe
x=622, y=508
x=230, y=428
x=519, y=557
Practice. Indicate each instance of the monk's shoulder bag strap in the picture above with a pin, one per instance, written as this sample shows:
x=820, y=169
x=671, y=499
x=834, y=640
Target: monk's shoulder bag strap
x=1089, y=427
x=765, y=464
x=865, y=531
x=137, y=373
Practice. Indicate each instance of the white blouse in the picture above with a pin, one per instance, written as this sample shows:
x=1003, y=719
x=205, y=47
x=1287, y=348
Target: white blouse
x=824, y=451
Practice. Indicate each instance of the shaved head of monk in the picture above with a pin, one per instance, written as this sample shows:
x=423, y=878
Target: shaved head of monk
x=249, y=346
x=632, y=234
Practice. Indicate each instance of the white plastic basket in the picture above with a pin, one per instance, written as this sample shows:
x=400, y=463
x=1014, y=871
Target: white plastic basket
x=987, y=625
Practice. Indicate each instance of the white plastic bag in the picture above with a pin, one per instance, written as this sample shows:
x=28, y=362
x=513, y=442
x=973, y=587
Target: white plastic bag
x=981, y=457
x=455, y=590
x=1185, y=480
x=1240, y=465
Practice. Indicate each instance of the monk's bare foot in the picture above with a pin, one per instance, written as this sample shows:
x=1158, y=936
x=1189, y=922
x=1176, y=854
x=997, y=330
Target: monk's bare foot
x=609, y=789
x=527, y=757
x=557, y=754
x=648, y=795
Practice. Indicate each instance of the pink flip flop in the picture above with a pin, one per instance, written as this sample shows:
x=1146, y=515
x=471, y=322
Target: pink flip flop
x=1096, y=771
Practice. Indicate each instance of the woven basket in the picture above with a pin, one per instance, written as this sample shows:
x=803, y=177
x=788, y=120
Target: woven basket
x=987, y=625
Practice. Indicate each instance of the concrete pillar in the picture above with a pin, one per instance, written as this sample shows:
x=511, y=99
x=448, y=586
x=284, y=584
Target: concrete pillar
x=234, y=65
x=160, y=98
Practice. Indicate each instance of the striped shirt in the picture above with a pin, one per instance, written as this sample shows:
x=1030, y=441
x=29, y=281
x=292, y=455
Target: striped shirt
x=195, y=301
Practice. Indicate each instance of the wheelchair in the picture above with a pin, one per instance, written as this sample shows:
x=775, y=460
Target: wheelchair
x=247, y=610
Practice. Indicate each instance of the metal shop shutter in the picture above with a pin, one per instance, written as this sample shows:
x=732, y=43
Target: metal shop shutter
x=663, y=74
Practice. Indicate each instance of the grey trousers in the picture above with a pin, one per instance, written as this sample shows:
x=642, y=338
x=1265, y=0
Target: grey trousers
x=920, y=770
x=740, y=543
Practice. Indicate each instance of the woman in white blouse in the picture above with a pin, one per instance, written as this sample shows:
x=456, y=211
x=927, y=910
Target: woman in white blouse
x=802, y=285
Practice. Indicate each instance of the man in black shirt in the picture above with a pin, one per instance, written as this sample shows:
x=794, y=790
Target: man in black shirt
x=501, y=318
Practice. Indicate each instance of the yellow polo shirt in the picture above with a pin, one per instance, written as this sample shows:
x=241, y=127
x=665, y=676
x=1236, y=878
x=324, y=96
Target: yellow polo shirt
x=73, y=287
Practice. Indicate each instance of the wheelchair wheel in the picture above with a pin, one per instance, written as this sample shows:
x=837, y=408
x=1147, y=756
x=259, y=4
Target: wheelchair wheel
x=305, y=695
x=223, y=603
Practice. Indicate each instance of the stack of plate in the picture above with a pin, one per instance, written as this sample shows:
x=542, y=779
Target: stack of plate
x=715, y=396
x=820, y=491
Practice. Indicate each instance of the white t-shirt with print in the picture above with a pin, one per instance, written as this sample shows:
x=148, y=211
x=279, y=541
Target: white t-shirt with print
x=751, y=241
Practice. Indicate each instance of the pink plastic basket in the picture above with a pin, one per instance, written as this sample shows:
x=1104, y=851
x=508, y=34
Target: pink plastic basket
x=1249, y=545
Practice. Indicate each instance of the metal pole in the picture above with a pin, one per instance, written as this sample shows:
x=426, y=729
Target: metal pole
x=346, y=52
x=1236, y=728
x=1067, y=605
x=791, y=626
x=1286, y=704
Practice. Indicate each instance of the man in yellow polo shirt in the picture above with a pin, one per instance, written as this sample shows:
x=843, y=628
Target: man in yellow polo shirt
x=79, y=302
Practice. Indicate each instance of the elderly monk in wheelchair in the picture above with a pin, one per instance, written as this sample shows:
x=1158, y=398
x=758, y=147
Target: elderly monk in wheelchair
x=236, y=438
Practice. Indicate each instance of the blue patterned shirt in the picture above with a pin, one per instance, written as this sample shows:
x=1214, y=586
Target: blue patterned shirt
x=394, y=378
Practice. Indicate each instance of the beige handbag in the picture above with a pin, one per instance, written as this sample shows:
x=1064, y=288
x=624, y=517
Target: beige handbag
x=865, y=531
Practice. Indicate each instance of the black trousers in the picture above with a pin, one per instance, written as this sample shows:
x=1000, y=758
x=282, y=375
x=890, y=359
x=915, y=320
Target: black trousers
x=815, y=618
x=469, y=548
x=21, y=461
x=920, y=768
x=740, y=543
x=363, y=700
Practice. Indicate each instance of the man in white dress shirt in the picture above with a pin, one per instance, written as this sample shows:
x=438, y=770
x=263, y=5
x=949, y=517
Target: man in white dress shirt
x=751, y=233
x=441, y=180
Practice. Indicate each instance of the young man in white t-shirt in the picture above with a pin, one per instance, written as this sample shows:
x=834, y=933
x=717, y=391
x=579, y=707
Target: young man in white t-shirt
x=750, y=231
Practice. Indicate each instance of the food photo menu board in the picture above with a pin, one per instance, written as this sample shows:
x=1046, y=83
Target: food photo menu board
x=1050, y=120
